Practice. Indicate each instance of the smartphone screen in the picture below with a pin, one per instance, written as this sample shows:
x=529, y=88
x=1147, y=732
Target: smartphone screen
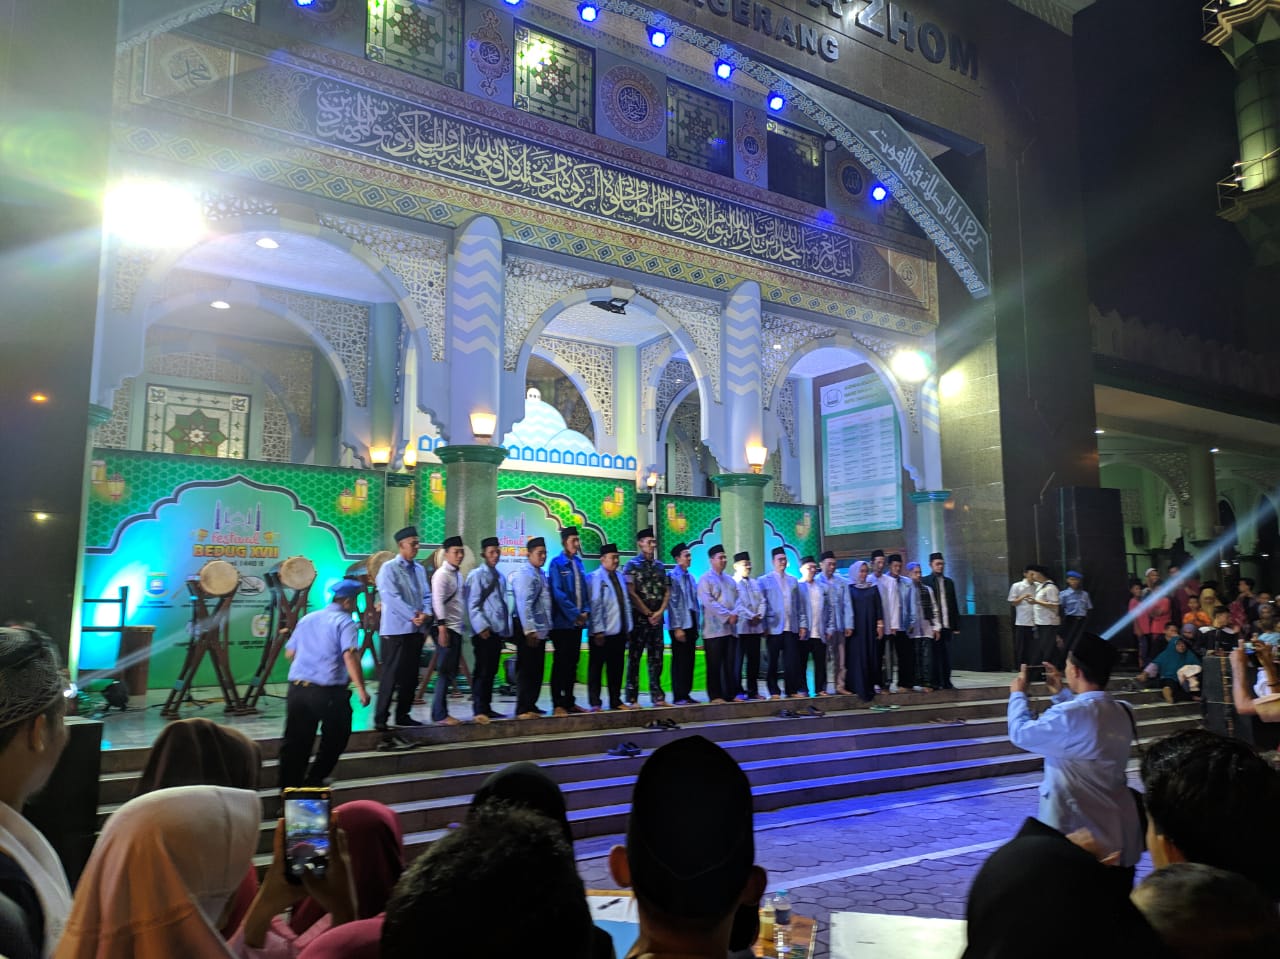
x=1035, y=674
x=306, y=832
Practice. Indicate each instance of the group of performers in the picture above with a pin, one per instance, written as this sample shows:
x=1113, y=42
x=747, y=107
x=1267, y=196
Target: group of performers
x=853, y=631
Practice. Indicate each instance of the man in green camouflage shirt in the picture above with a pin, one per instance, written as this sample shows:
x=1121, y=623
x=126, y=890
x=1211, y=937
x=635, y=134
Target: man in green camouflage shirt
x=647, y=583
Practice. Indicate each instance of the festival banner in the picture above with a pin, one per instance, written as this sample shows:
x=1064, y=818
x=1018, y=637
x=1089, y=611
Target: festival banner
x=695, y=520
x=154, y=520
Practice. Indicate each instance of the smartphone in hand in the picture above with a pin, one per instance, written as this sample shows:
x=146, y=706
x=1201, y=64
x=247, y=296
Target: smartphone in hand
x=306, y=832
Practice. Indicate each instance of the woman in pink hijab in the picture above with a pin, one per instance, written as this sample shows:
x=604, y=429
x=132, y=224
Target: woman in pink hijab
x=162, y=875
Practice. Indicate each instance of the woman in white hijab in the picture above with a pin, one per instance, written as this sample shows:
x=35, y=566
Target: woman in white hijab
x=163, y=872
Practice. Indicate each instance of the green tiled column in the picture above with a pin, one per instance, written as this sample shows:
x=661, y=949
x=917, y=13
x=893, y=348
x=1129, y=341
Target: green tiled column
x=471, y=492
x=742, y=514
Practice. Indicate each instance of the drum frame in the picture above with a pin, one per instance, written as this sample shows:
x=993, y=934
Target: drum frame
x=288, y=609
x=210, y=633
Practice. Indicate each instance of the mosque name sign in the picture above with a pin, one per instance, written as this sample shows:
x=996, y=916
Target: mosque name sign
x=880, y=18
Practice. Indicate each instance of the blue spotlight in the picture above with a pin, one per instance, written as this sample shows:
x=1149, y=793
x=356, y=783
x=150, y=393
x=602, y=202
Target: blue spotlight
x=303, y=3
x=658, y=37
x=724, y=69
x=589, y=12
x=879, y=192
x=512, y=3
x=776, y=101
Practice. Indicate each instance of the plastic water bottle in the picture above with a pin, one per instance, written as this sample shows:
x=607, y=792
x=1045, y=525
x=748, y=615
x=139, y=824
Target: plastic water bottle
x=781, y=923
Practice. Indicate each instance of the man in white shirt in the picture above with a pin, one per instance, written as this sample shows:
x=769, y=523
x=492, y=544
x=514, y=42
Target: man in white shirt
x=718, y=597
x=809, y=640
x=782, y=625
x=1024, y=619
x=1044, y=604
x=838, y=625
x=751, y=611
x=532, y=595
x=486, y=595
x=608, y=627
x=446, y=600
x=892, y=589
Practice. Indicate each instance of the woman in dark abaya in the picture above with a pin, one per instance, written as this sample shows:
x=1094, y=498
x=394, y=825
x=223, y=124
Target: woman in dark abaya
x=862, y=648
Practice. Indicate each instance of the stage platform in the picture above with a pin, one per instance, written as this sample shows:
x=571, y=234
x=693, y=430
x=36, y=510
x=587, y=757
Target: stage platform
x=853, y=749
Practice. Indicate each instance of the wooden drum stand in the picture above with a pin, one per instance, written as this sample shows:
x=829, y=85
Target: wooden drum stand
x=296, y=573
x=217, y=580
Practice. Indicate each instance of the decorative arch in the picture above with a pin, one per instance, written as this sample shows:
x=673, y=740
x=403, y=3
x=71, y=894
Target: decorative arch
x=1170, y=483
x=575, y=377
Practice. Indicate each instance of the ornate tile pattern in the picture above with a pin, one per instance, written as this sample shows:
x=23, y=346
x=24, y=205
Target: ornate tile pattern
x=114, y=433
x=676, y=376
x=752, y=146
x=490, y=53
x=248, y=12
x=555, y=78
x=701, y=319
x=699, y=127
x=784, y=405
x=220, y=205
x=422, y=38
x=129, y=268
x=632, y=103
x=345, y=326
x=595, y=366
x=277, y=437
x=196, y=422
x=789, y=334
x=529, y=290
x=680, y=470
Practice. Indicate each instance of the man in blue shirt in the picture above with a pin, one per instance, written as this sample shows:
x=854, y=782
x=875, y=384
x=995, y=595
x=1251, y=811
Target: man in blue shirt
x=486, y=593
x=610, y=623
x=532, y=595
x=1085, y=738
x=1075, y=608
x=570, y=609
x=405, y=599
x=682, y=624
x=325, y=654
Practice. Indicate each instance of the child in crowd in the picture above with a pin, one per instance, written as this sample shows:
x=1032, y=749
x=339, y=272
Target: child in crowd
x=1195, y=615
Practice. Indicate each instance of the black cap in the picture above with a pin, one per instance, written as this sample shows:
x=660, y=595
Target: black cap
x=409, y=532
x=715, y=550
x=894, y=558
x=608, y=548
x=567, y=532
x=535, y=543
x=645, y=533
x=678, y=549
x=452, y=541
x=743, y=557
x=490, y=541
x=876, y=552
x=806, y=560
x=827, y=554
x=933, y=556
x=1094, y=653
x=691, y=860
x=779, y=551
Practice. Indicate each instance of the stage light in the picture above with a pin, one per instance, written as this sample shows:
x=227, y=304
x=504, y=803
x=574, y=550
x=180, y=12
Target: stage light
x=657, y=37
x=303, y=3
x=951, y=384
x=776, y=102
x=1098, y=432
x=724, y=69
x=40, y=517
x=589, y=12
x=410, y=456
x=879, y=193
x=1214, y=449
x=379, y=455
x=39, y=398
x=756, y=455
x=220, y=305
x=513, y=3
x=910, y=366
x=651, y=481
x=152, y=213
x=483, y=425
x=615, y=304
x=267, y=243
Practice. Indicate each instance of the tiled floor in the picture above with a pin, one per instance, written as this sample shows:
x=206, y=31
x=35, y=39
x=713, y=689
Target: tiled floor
x=912, y=853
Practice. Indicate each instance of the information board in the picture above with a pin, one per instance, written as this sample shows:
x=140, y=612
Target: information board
x=861, y=457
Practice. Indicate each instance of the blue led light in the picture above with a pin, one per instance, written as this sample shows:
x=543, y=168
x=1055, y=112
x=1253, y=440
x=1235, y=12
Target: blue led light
x=657, y=37
x=724, y=69
x=776, y=101
x=589, y=12
x=879, y=192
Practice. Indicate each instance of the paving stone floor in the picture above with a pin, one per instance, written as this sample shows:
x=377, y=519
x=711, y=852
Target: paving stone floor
x=911, y=853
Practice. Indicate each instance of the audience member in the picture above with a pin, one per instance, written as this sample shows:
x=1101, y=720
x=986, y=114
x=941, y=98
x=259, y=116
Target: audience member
x=1194, y=615
x=1085, y=737
x=1203, y=795
x=1076, y=606
x=369, y=860
x=199, y=752
x=1156, y=611
x=691, y=864
x=1202, y=912
x=1040, y=879
x=35, y=898
x=1174, y=670
x=163, y=875
x=1244, y=608
x=504, y=883
x=1223, y=635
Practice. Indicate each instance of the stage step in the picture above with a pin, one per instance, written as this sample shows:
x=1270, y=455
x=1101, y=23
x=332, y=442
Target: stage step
x=847, y=752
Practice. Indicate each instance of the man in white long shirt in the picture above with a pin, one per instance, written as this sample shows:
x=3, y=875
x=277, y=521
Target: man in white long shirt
x=490, y=617
x=752, y=611
x=32, y=737
x=893, y=595
x=1085, y=738
x=446, y=600
x=718, y=597
x=809, y=639
x=1021, y=594
x=608, y=627
x=783, y=619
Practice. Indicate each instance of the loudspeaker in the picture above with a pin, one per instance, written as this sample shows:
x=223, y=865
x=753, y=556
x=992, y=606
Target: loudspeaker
x=976, y=643
x=1139, y=534
x=1091, y=540
x=1220, y=715
x=66, y=810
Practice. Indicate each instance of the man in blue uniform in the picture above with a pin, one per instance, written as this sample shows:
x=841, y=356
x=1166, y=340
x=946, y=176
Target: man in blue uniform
x=682, y=623
x=532, y=597
x=486, y=593
x=406, y=601
x=570, y=610
x=325, y=654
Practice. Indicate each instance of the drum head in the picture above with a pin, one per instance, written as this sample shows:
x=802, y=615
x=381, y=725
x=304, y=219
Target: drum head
x=297, y=572
x=359, y=570
x=219, y=578
x=378, y=560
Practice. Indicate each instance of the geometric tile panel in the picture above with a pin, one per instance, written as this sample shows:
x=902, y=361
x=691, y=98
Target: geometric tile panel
x=699, y=128
x=631, y=102
x=555, y=78
x=419, y=38
x=196, y=422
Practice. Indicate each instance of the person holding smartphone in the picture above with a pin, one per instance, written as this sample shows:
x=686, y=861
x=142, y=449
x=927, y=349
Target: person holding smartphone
x=324, y=651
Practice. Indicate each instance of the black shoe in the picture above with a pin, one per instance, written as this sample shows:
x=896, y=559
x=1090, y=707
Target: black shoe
x=494, y=714
x=382, y=727
x=409, y=721
x=539, y=710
